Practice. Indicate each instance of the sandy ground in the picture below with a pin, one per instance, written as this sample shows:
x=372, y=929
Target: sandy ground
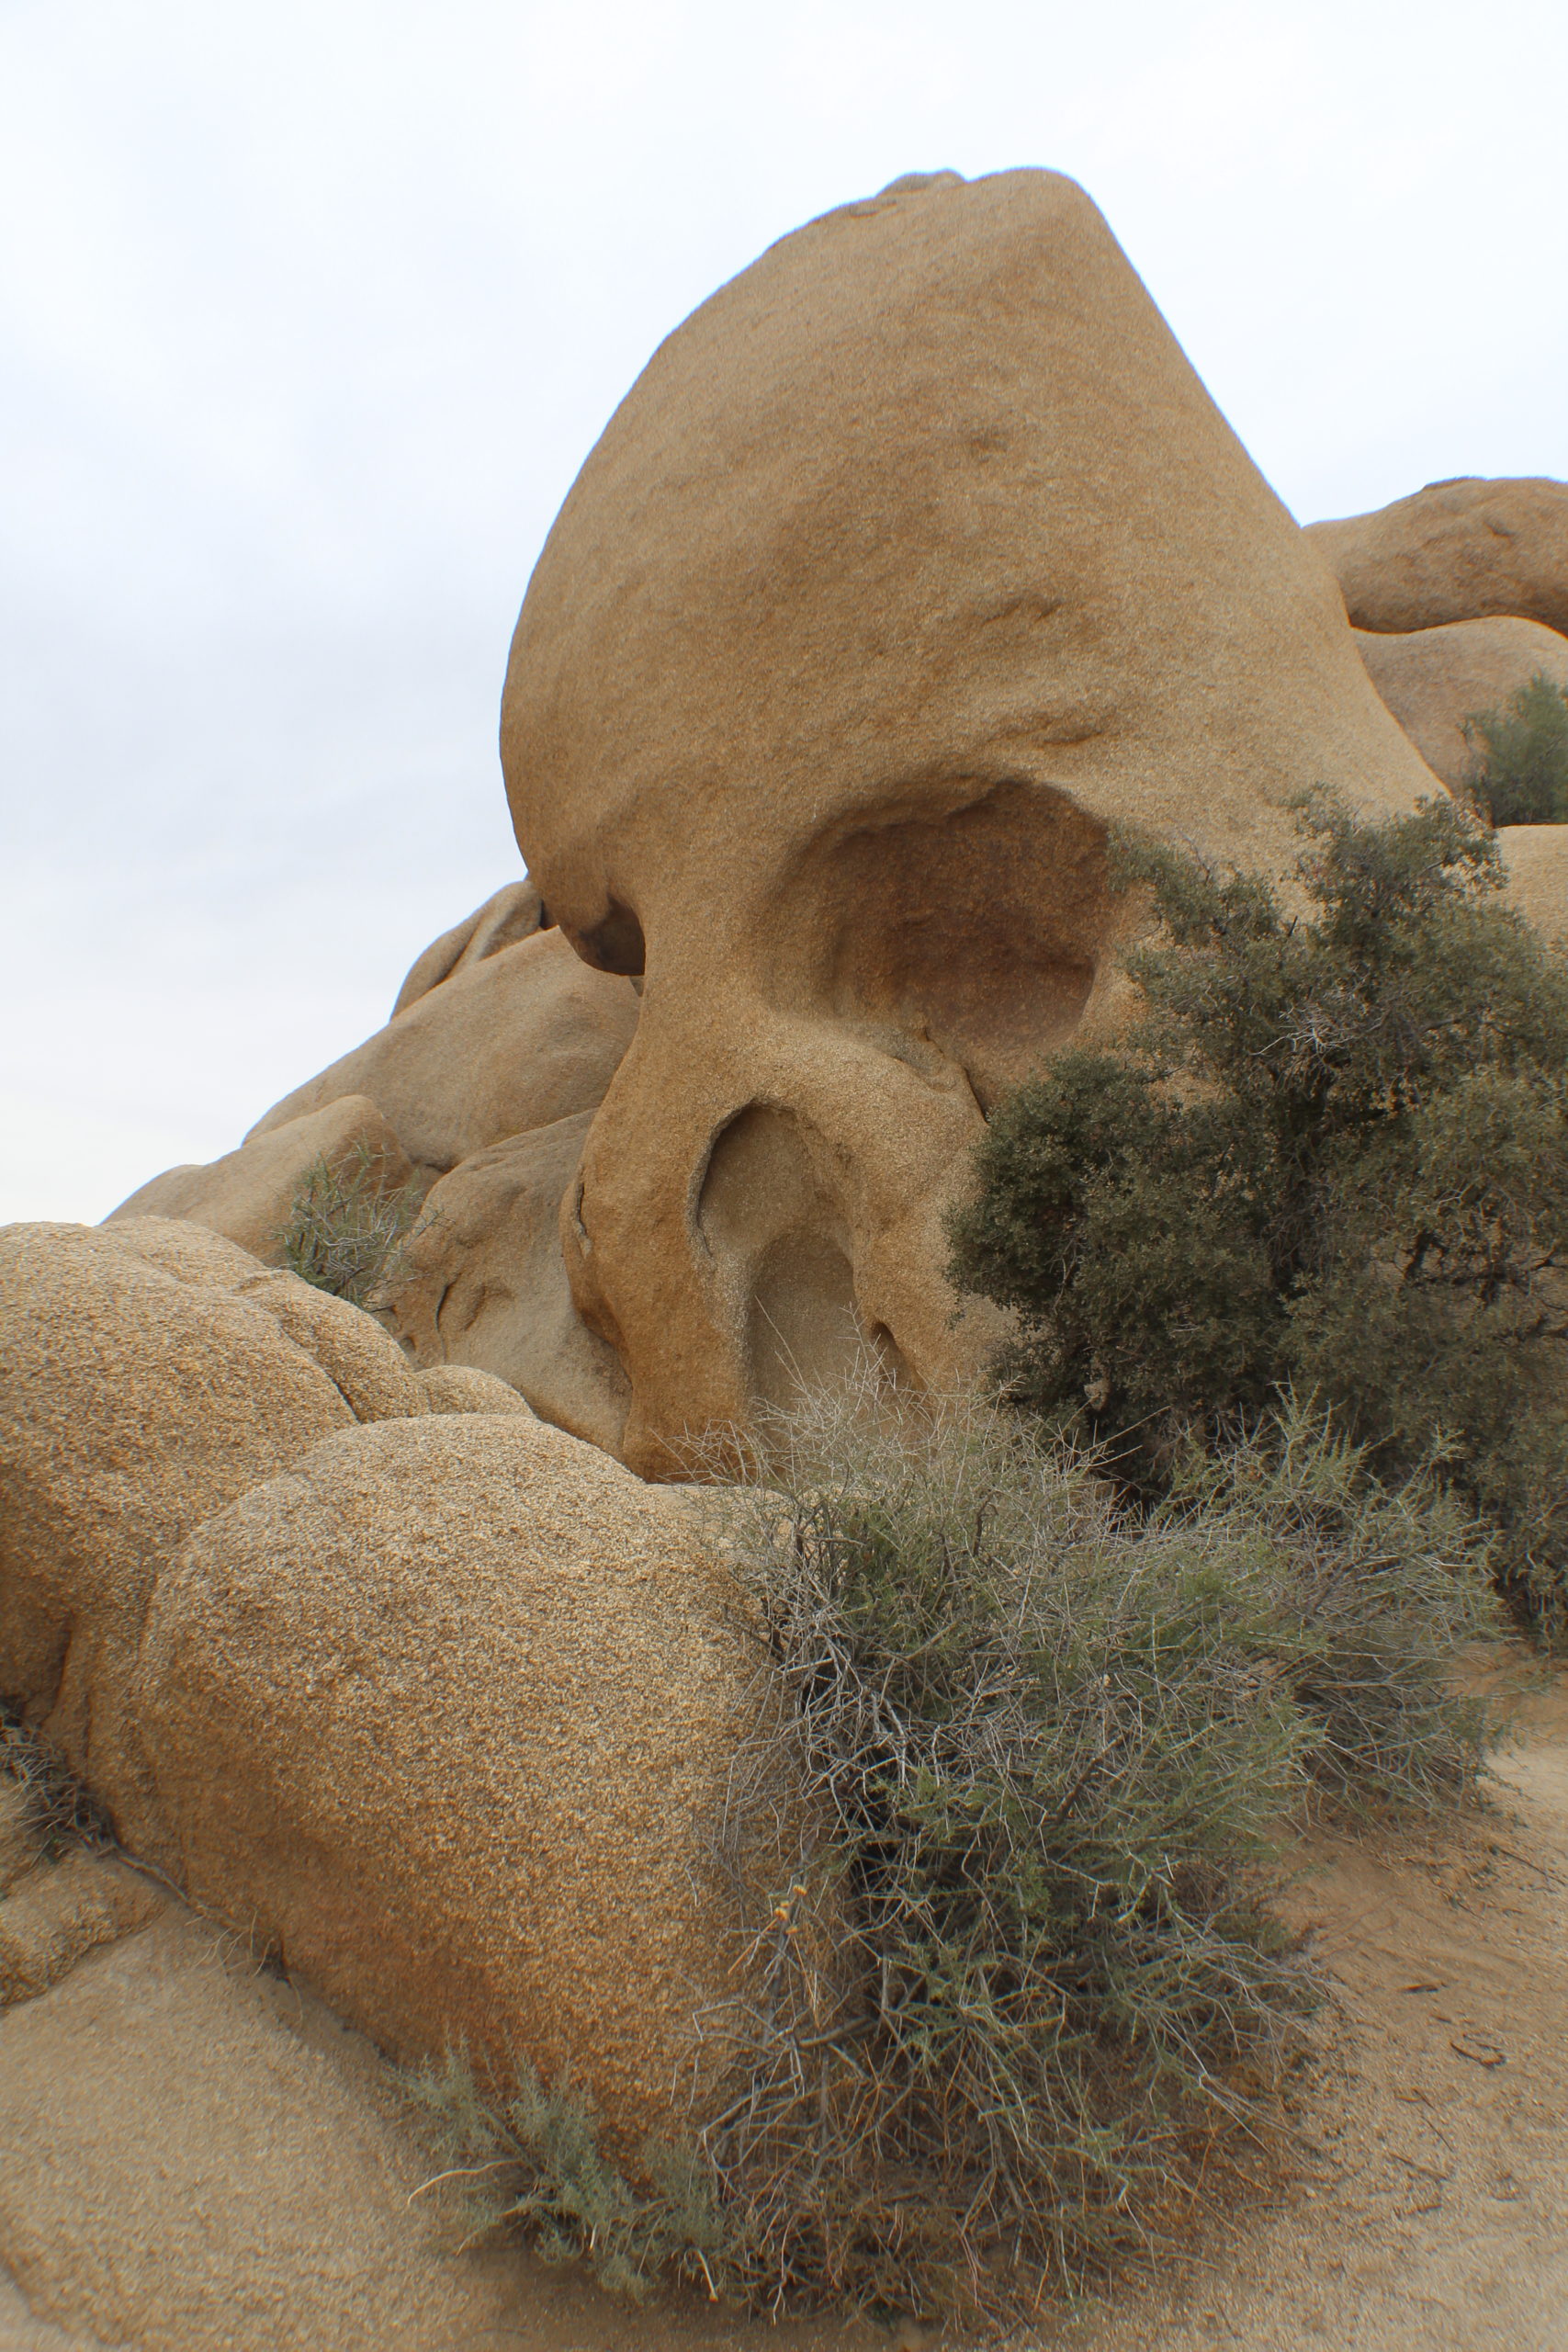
x=195, y=2157
x=1431, y=2207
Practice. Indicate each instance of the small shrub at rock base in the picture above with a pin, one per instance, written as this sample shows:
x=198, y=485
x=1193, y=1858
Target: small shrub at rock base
x=57, y=1808
x=1334, y=1152
x=533, y=2163
x=1519, y=775
x=1044, y=1754
x=346, y=1226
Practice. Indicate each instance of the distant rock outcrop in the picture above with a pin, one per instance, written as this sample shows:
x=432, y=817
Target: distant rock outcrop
x=510, y=914
x=1433, y=680
x=248, y=1194
x=1458, y=550
x=514, y=1040
x=481, y=1281
x=481, y=1085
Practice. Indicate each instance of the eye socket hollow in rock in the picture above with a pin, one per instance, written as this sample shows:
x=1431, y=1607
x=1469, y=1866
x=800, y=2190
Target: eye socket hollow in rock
x=982, y=931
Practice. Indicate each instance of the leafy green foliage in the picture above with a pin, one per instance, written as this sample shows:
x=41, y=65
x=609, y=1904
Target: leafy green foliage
x=1520, y=773
x=1333, y=1153
x=1040, y=1752
x=346, y=1225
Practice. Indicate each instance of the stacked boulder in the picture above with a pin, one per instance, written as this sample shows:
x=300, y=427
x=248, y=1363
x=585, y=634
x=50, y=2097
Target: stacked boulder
x=475, y=1097
x=433, y=1702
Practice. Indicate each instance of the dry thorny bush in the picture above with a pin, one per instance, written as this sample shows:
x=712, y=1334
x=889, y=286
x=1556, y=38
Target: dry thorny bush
x=1031, y=1764
x=347, y=1226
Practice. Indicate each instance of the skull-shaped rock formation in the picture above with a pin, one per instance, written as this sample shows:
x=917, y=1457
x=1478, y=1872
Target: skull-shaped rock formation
x=915, y=559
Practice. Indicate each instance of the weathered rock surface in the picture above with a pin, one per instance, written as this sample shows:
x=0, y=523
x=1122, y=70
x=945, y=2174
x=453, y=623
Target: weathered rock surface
x=512, y=1040
x=445, y=1715
x=247, y=1194
x=1457, y=551
x=915, y=557
x=200, y=2159
x=442, y=1710
x=1535, y=859
x=459, y=1388
x=482, y=1281
x=1433, y=680
x=514, y=912
x=135, y=1400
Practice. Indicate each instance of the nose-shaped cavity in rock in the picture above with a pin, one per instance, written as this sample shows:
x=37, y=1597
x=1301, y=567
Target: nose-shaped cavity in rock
x=769, y=1214
x=916, y=560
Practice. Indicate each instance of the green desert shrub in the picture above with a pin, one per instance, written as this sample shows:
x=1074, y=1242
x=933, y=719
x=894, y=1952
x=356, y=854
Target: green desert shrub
x=1044, y=1754
x=1520, y=771
x=1333, y=1154
x=1021, y=1979
x=347, y=1225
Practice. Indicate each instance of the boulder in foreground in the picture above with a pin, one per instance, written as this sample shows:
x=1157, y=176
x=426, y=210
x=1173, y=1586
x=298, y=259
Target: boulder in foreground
x=438, y=1705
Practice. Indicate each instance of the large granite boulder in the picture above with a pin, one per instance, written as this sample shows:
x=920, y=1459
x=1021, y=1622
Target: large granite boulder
x=438, y=1705
x=140, y=1390
x=446, y=1713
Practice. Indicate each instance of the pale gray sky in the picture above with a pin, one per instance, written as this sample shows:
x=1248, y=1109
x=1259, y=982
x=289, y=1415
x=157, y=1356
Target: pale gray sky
x=309, y=313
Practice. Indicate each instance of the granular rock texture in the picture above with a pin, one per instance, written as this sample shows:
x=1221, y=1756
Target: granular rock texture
x=459, y=1388
x=510, y=1041
x=1455, y=551
x=481, y=1282
x=1434, y=679
x=916, y=558
x=442, y=1710
x=248, y=1194
x=445, y=1715
x=135, y=1400
x=198, y=2160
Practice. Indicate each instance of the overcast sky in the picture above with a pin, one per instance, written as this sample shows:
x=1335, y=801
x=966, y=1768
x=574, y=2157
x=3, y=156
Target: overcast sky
x=309, y=313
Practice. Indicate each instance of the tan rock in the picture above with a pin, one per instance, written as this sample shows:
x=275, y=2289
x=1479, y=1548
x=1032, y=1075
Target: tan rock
x=1535, y=858
x=1433, y=680
x=482, y=1281
x=150, y=1372
x=21, y=1836
x=445, y=1717
x=59, y=1912
x=913, y=559
x=248, y=1193
x=1457, y=551
x=510, y=1042
x=513, y=914
x=200, y=2159
x=459, y=1388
